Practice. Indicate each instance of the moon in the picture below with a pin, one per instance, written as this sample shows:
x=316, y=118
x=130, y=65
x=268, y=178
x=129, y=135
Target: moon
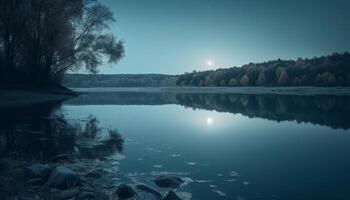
x=209, y=120
x=210, y=63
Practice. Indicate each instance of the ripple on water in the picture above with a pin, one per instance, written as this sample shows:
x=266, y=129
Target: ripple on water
x=219, y=192
x=204, y=181
x=175, y=155
x=191, y=163
x=234, y=173
x=246, y=183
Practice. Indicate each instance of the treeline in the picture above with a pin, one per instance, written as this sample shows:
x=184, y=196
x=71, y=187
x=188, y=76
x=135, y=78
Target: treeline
x=40, y=40
x=332, y=70
x=119, y=80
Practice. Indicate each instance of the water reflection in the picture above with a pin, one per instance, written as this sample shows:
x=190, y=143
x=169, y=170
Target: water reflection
x=209, y=120
x=332, y=111
x=40, y=132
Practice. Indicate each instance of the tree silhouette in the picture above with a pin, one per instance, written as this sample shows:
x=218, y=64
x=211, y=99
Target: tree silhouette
x=41, y=40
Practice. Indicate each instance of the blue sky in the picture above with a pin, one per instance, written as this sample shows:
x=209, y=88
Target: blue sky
x=176, y=36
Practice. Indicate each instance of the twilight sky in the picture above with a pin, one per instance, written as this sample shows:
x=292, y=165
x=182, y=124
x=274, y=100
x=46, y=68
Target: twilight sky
x=176, y=36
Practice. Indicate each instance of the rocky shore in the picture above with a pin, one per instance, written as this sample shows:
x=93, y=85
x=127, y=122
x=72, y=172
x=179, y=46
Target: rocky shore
x=63, y=178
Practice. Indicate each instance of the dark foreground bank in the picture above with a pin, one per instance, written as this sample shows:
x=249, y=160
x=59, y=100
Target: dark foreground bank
x=21, y=95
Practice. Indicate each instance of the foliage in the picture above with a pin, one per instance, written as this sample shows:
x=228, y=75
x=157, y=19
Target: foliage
x=41, y=40
x=332, y=70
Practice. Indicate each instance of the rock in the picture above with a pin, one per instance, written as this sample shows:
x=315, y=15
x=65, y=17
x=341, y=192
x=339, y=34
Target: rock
x=67, y=194
x=63, y=178
x=125, y=192
x=145, y=188
x=168, y=181
x=38, y=170
x=35, y=181
x=172, y=196
x=60, y=158
x=86, y=195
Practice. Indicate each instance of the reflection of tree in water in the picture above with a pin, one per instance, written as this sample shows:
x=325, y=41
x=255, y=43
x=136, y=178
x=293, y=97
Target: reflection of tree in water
x=36, y=133
x=93, y=142
x=333, y=111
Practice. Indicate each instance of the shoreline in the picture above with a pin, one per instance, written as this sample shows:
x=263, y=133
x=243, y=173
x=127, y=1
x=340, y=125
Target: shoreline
x=17, y=97
x=304, y=91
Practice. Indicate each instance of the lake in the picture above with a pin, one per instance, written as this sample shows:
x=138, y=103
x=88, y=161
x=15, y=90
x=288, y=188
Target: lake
x=224, y=146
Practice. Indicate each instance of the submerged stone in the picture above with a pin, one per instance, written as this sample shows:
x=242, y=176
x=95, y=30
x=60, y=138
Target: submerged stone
x=63, y=178
x=166, y=181
x=125, y=192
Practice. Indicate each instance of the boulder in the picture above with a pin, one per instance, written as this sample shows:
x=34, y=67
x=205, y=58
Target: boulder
x=124, y=192
x=38, y=171
x=172, y=196
x=63, y=178
x=168, y=181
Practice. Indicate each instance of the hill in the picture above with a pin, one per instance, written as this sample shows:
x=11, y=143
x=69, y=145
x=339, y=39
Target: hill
x=118, y=80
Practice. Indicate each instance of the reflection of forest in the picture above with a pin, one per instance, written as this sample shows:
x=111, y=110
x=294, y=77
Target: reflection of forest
x=40, y=132
x=333, y=111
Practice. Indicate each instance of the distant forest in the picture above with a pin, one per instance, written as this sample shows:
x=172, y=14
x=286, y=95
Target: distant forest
x=333, y=70
x=119, y=80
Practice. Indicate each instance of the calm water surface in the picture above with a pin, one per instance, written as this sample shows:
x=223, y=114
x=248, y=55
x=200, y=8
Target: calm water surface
x=224, y=146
